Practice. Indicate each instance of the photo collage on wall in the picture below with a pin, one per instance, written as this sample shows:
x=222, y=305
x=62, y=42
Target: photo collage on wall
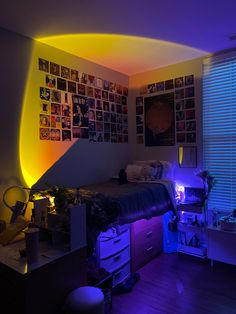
x=75, y=104
x=184, y=103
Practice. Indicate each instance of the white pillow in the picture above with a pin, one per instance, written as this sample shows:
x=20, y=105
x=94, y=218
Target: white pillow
x=167, y=171
x=133, y=172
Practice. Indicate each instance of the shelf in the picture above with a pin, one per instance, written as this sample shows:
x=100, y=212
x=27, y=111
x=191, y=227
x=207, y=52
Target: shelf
x=190, y=208
x=189, y=228
x=195, y=251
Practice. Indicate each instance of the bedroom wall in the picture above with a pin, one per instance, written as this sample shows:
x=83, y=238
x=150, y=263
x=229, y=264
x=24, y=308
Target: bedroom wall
x=185, y=176
x=24, y=159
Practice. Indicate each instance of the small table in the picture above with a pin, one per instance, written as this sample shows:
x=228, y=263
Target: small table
x=221, y=245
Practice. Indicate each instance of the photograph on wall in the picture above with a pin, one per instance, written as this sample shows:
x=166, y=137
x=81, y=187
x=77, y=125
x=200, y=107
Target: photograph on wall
x=55, y=109
x=71, y=87
x=180, y=137
x=179, y=105
x=139, y=119
x=191, y=137
x=83, y=78
x=50, y=81
x=139, y=110
x=74, y=75
x=61, y=84
x=169, y=84
x=56, y=96
x=65, y=72
x=190, y=114
x=54, y=68
x=99, y=126
x=123, y=100
x=113, y=117
x=189, y=79
x=99, y=82
x=91, y=80
x=97, y=93
x=119, y=89
x=179, y=82
x=66, y=110
x=112, y=87
x=189, y=103
x=159, y=120
x=91, y=115
x=43, y=65
x=44, y=107
x=44, y=93
x=65, y=123
x=151, y=88
x=66, y=135
x=106, y=116
x=179, y=93
x=44, y=120
x=55, y=135
x=189, y=92
x=44, y=134
x=65, y=98
x=180, y=126
x=91, y=102
x=111, y=97
x=89, y=91
x=106, y=85
x=117, y=99
x=104, y=95
x=81, y=89
x=191, y=125
x=92, y=126
x=160, y=86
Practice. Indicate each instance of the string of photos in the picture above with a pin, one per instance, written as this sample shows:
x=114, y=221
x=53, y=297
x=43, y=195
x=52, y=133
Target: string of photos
x=74, y=104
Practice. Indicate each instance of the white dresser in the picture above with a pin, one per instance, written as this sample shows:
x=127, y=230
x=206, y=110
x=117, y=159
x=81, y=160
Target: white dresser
x=113, y=252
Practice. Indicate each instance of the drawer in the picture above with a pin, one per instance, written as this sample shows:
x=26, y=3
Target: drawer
x=114, y=262
x=146, y=253
x=144, y=224
x=110, y=246
x=121, y=274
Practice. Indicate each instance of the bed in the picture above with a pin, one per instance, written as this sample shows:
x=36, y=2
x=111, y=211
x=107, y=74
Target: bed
x=113, y=203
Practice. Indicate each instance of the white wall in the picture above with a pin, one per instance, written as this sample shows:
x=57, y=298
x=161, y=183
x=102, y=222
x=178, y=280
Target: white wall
x=186, y=176
x=81, y=162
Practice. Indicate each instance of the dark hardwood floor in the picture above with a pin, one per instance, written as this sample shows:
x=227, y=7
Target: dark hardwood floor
x=180, y=284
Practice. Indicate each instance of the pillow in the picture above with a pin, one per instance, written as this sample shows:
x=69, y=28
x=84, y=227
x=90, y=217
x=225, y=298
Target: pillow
x=152, y=169
x=167, y=172
x=133, y=172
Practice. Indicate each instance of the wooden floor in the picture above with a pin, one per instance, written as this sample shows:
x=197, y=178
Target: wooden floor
x=180, y=284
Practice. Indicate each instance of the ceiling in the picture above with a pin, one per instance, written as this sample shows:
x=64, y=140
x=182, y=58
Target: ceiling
x=165, y=32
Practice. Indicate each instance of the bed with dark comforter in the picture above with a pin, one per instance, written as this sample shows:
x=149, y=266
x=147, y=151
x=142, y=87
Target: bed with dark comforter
x=111, y=202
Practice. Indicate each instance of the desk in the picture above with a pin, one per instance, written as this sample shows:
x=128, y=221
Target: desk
x=221, y=245
x=40, y=288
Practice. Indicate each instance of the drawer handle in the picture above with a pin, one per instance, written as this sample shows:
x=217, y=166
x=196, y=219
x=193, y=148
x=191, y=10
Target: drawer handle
x=149, y=234
x=117, y=257
x=117, y=240
x=117, y=275
x=149, y=250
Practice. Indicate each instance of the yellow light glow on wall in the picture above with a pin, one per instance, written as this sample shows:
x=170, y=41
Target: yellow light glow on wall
x=126, y=54
x=181, y=153
x=37, y=156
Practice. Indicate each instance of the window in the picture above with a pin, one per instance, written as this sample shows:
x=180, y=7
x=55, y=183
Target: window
x=219, y=128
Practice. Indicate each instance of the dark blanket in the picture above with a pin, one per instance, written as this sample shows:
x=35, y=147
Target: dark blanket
x=111, y=202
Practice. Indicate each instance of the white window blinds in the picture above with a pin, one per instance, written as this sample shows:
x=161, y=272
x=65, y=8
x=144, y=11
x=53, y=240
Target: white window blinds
x=219, y=128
